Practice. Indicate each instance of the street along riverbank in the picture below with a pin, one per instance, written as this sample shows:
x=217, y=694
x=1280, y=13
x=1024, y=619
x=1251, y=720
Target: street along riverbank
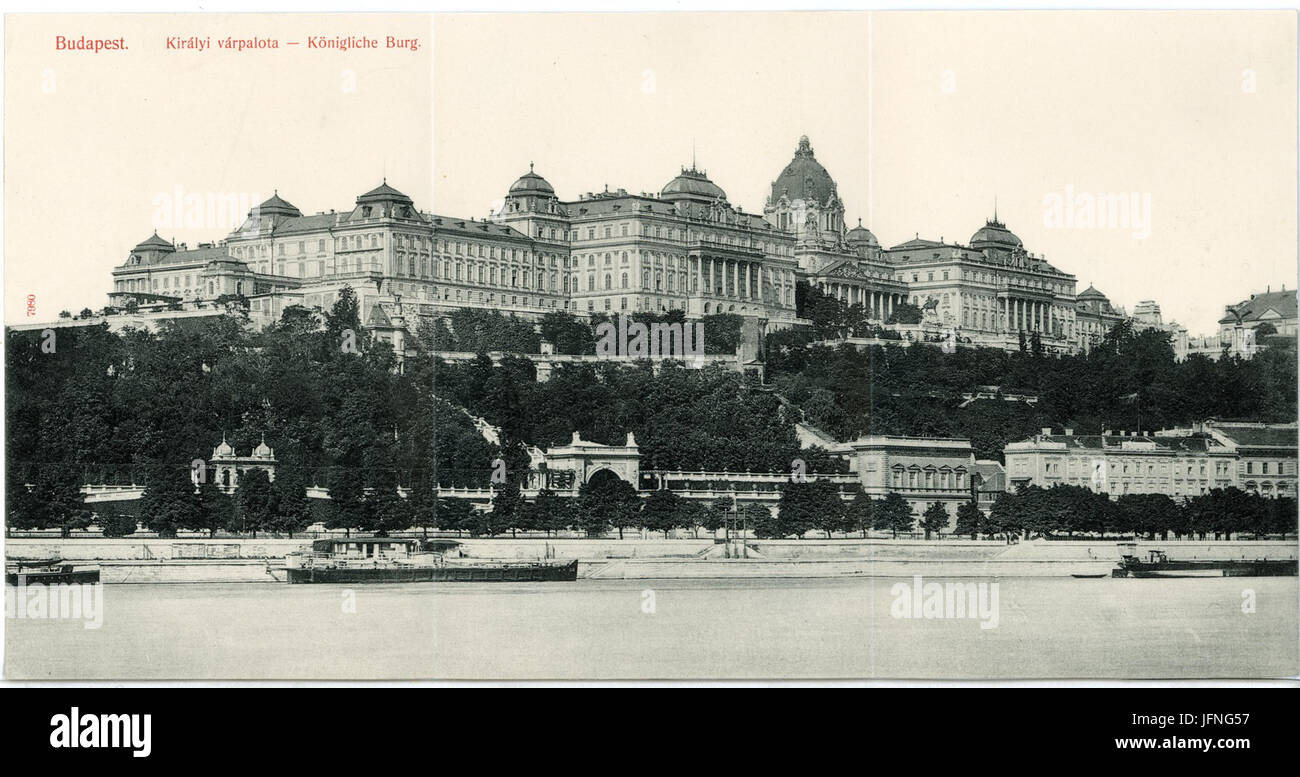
x=249, y=560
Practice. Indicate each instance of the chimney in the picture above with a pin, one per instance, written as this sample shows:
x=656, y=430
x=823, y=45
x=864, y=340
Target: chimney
x=1069, y=432
x=1047, y=430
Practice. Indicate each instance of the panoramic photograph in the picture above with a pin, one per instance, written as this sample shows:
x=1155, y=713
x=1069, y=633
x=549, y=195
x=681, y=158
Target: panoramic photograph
x=651, y=346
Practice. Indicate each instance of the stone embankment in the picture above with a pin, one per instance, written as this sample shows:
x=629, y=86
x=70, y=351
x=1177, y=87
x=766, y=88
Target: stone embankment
x=248, y=560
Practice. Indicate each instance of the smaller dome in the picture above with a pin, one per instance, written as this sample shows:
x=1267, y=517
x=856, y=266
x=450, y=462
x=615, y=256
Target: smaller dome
x=263, y=451
x=154, y=243
x=692, y=184
x=994, y=234
x=384, y=193
x=1091, y=293
x=277, y=206
x=860, y=235
x=223, y=449
x=532, y=183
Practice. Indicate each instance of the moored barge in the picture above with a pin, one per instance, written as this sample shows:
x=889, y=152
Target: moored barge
x=47, y=571
x=401, y=560
x=1158, y=564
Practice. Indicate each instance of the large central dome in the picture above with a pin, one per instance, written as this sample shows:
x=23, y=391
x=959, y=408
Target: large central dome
x=804, y=178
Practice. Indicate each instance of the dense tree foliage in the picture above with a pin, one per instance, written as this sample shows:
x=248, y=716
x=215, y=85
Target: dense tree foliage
x=1070, y=510
x=1129, y=381
x=138, y=407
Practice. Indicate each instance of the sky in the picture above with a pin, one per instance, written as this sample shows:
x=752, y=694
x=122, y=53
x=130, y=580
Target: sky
x=98, y=146
x=923, y=119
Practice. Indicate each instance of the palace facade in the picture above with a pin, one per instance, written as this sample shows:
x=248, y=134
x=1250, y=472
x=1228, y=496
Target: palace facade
x=687, y=247
x=1181, y=462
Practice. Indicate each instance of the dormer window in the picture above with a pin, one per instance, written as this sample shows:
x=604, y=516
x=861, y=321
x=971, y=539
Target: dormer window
x=365, y=211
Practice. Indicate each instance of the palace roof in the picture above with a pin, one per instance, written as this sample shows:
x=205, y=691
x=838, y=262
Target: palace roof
x=1263, y=307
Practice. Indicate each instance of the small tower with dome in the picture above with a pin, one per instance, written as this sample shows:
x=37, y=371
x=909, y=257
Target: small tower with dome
x=531, y=207
x=228, y=466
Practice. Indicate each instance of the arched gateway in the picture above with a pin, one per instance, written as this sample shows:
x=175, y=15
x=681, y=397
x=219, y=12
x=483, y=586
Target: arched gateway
x=589, y=461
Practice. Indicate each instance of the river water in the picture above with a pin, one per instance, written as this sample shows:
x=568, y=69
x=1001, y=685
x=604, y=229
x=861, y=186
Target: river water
x=640, y=629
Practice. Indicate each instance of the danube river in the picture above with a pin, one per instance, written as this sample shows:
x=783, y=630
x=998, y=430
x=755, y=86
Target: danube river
x=838, y=628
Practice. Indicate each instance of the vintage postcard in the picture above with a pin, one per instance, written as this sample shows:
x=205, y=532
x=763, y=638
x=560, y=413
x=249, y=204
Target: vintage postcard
x=650, y=346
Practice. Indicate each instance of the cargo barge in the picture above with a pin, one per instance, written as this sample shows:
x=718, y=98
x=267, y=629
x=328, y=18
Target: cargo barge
x=48, y=571
x=400, y=560
x=1158, y=564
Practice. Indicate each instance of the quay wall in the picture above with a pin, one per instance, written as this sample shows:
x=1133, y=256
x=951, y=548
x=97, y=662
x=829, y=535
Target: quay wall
x=248, y=560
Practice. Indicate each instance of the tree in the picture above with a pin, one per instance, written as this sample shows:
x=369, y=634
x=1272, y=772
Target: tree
x=664, y=511
x=893, y=514
x=607, y=501
x=168, y=502
x=970, y=520
x=717, y=514
x=214, y=509
x=60, y=504
x=117, y=524
x=386, y=509
x=934, y=519
x=420, y=500
x=1148, y=514
x=796, y=510
x=453, y=514
x=758, y=519
x=828, y=507
x=1005, y=516
x=347, y=495
x=254, y=502
x=905, y=313
x=344, y=317
x=858, y=514
x=549, y=512
x=508, y=508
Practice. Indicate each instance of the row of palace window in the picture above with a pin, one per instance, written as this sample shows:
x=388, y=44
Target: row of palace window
x=1084, y=467
x=673, y=233
x=342, y=243
x=980, y=277
x=1264, y=468
x=929, y=477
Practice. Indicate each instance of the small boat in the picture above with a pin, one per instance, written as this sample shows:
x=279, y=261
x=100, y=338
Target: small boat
x=46, y=571
x=1158, y=564
x=1089, y=575
x=401, y=560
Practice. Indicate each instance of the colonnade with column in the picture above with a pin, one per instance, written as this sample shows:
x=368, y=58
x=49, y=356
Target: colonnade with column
x=879, y=304
x=1029, y=315
x=729, y=277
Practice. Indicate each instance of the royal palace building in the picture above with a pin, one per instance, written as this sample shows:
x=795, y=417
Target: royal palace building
x=687, y=247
